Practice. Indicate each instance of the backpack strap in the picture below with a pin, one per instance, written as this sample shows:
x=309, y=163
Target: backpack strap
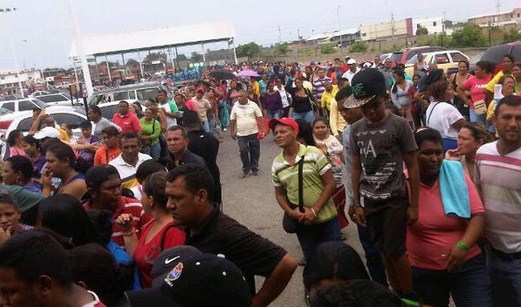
x=301, y=184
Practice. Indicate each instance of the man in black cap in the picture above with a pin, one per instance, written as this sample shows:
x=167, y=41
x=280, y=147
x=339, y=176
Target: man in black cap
x=188, y=189
x=380, y=143
x=104, y=188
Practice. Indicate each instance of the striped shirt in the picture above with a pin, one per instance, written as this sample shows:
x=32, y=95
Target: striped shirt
x=500, y=180
x=315, y=165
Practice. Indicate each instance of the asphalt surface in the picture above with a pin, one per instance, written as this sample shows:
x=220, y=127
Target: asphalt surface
x=251, y=201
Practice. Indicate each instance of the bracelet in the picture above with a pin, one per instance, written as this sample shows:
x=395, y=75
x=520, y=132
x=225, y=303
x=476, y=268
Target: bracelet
x=462, y=246
x=129, y=233
x=313, y=210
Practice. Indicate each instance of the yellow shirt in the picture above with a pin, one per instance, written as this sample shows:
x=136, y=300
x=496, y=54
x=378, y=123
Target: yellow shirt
x=495, y=80
x=336, y=120
x=328, y=96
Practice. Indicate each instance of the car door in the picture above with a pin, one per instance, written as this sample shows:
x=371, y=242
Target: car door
x=442, y=60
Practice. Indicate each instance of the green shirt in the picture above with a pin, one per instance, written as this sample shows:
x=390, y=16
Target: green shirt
x=152, y=128
x=315, y=165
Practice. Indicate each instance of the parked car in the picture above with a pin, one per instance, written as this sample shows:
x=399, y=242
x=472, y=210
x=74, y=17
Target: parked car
x=495, y=54
x=446, y=60
x=23, y=121
x=108, y=99
x=26, y=104
x=58, y=99
x=404, y=55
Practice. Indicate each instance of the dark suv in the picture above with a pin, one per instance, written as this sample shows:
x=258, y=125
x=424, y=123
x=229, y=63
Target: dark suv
x=495, y=54
x=404, y=55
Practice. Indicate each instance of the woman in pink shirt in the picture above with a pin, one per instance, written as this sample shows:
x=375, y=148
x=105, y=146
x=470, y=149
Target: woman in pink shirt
x=15, y=140
x=476, y=85
x=442, y=248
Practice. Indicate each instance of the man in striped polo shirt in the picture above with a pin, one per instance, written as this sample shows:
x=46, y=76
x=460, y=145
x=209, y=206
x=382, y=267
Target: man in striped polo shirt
x=498, y=176
x=318, y=222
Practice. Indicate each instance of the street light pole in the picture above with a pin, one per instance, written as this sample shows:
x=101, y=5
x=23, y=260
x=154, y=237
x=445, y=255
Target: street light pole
x=338, y=24
x=11, y=47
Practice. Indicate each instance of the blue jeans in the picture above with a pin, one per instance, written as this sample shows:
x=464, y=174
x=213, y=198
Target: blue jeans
x=307, y=116
x=506, y=279
x=373, y=257
x=310, y=236
x=205, y=125
x=476, y=118
x=469, y=285
x=273, y=114
x=249, y=147
x=153, y=150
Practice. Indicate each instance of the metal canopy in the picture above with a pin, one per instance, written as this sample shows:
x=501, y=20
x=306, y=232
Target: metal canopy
x=168, y=37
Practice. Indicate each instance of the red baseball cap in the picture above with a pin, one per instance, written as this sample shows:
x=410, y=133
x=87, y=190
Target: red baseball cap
x=284, y=121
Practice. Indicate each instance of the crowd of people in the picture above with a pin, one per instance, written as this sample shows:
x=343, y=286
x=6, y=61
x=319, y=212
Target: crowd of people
x=130, y=212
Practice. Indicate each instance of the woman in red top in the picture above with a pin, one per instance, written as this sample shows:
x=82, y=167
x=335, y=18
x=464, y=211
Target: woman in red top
x=156, y=235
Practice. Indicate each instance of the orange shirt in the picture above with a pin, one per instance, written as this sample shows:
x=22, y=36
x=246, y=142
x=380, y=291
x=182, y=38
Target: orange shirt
x=105, y=155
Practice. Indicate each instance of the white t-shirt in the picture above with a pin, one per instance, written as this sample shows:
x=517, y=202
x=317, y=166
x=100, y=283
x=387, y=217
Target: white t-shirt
x=246, y=116
x=169, y=120
x=349, y=74
x=440, y=116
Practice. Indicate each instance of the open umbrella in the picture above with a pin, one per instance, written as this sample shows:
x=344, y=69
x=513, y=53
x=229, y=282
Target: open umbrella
x=222, y=74
x=248, y=73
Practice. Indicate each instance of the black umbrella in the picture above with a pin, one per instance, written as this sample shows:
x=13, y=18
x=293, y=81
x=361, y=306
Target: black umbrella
x=222, y=74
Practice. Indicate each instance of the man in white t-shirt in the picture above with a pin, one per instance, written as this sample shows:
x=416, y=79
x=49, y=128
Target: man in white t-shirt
x=352, y=71
x=170, y=108
x=246, y=126
x=445, y=118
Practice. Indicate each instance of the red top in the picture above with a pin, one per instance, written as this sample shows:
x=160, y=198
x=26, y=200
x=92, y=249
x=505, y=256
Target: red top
x=431, y=237
x=128, y=122
x=146, y=253
x=130, y=206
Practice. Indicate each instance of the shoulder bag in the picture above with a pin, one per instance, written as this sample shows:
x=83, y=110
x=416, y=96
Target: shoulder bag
x=289, y=224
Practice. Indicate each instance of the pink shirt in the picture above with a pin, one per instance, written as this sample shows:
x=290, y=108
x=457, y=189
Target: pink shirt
x=431, y=237
x=477, y=88
x=13, y=151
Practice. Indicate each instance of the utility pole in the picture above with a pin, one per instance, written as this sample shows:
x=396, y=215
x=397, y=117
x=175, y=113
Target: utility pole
x=79, y=48
x=338, y=25
x=280, y=37
x=443, y=29
x=392, y=26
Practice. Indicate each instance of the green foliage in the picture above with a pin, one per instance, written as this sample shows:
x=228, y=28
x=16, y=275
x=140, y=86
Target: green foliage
x=470, y=35
x=422, y=31
x=359, y=46
x=435, y=40
x=196, y=57
x=282, y=48
x=512, y=35
x=181, y=57
x=155, y=56
x=249, y=50
x=327, y=49
x=308, y=52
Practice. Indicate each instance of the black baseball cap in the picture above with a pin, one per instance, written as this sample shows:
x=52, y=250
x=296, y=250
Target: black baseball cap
x=194, y=279
x=366, y=85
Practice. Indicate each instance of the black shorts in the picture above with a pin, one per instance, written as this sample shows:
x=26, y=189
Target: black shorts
x=387, y=225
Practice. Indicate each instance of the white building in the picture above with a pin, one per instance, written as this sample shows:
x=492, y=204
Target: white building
x=434, y=25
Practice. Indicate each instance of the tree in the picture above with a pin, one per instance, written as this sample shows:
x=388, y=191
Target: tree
x=282, y=48
x=249, y=50
x=422, y=30
x=155, y=56
x=196, y=57
x=359, y=46
x=512, y=35
x=470, y=35
x=181, y=57
x=327, y=49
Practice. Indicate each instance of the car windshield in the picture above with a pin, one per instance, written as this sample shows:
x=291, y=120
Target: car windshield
x=39, y=103
x=396, y=56
x=4, y=111
x=411, y=61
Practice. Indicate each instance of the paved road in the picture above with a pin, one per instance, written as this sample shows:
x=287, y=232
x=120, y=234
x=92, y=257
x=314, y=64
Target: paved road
x=251, y=201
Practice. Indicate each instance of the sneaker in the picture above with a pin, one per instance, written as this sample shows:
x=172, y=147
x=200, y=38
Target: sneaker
x=255, y=173
x=224, y=129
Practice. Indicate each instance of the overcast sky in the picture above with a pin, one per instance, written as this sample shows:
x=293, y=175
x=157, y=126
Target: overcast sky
x=41, y=31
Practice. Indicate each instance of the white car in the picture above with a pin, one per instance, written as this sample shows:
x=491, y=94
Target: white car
x=26, y=104
x=23, y=121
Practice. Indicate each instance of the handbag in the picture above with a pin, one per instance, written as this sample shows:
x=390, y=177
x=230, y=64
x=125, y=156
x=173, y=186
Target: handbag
x=289, y=224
